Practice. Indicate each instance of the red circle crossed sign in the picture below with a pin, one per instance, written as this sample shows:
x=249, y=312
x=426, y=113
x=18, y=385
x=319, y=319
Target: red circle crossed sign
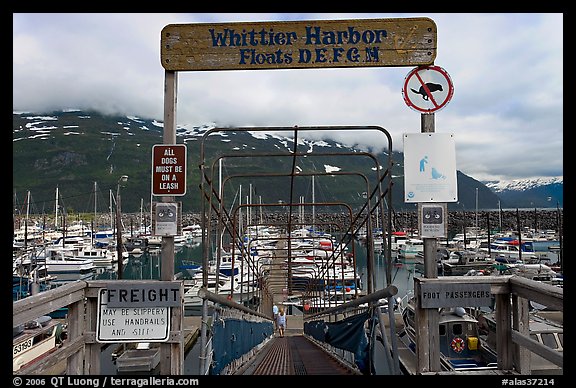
x=427, y=89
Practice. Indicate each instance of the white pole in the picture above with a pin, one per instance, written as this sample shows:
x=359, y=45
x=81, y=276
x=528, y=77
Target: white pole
x=56, y=219
x=151, y=198
x=26, y=220
x=260, y=202
x=240, y=226
x=95, y=208
x=250, y=202
x=111, y=215
x=499, y=217
x=220, y=179
x=476, y=210
x=313, y=207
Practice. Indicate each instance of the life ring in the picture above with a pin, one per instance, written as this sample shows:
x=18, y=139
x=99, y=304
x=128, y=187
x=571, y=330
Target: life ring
x=457, y=344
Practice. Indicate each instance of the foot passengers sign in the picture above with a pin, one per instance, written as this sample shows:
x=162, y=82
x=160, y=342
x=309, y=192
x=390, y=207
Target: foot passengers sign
x=169, y=169
x=300, y=44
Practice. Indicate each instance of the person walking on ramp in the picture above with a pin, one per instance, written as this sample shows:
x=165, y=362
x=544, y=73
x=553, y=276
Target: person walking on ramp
x=281, y=321
x=275, y=313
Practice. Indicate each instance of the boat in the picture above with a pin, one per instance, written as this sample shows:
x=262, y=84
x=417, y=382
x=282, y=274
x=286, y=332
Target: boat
x=99, y=256
x=65, y=261
x=546, y=327
x=462, y=262
x=64, y=257
x=35, y=340
x=136, y=245
x=461, y=348
x=397, y=238
x=25, y=284
x=442, y=254
x=535, y=271
x=509, y=250
x=104, y=238
x=326, y=300
x=409, y=249
x=221, y=285
x=308, y=278
x=229, y=266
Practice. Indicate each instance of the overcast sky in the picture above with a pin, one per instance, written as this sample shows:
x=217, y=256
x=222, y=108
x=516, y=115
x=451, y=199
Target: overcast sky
x=506, y=113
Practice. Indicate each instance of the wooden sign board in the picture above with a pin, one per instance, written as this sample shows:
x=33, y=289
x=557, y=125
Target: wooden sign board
x=451, y=294
x=300, y=44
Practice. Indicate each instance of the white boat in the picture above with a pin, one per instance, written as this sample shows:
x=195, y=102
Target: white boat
x=34, y=340
x=409, y=249
x=65, y=260
x=103, y=238
x=237, y=291
x=397, y=240
x=534, y=271
x=509, y=250
x=99, y=256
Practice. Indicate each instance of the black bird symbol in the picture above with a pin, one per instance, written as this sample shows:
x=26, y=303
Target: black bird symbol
x=432, y=87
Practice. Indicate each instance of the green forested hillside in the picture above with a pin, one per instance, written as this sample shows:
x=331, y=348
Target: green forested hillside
x=83, y=155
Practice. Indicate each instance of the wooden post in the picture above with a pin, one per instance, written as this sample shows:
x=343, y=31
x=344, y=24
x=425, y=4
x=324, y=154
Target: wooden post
x=76, y=319
x=503, y=332
x=171, y=354
x=521, y=323
x=428, y=330
x=422, y=339
x=93, y=349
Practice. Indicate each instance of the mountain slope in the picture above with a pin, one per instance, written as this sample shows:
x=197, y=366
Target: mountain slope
x=83, y=154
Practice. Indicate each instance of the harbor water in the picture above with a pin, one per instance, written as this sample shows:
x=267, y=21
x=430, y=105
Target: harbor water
x=148, y=266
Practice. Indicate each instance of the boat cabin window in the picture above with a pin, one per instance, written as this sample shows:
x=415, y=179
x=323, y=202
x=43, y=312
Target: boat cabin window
x=44, y=335
x=442, y=330
x=457, y=329
x=549, y=340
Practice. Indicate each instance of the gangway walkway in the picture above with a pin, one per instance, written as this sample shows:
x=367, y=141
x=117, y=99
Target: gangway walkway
x=294, y=354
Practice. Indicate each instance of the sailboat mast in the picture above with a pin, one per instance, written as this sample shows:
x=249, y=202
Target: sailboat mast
x=26, y=220
x=313, y=206
x=240, y=225
x=111, y=216
x=56, y=212
x=95, y=202
x=249, y=208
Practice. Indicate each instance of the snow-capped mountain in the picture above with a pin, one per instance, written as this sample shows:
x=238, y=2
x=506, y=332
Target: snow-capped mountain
x=522, y=184
x=75, y=149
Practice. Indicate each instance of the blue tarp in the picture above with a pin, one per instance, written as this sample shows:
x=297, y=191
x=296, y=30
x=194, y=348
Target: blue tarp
x=233, y=337
x=348, y=334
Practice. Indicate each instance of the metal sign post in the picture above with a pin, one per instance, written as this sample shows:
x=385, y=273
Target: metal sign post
x=427, y=90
